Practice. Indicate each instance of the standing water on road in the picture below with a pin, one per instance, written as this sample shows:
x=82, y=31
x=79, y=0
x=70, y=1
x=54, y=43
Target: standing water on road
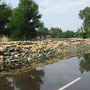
x=52, y=77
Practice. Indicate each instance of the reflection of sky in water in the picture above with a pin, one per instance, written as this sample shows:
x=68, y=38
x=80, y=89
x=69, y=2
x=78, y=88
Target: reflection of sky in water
x=60, y=73
x=52, y=77
x=12, y=83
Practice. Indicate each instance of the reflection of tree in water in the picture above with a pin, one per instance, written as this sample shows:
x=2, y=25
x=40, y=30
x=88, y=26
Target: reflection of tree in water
x=30, y=80
x=85, y=63
x=5, y=84
x=26, y=81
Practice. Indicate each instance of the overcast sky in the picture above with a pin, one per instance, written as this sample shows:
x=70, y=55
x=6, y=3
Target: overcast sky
x=59, y=13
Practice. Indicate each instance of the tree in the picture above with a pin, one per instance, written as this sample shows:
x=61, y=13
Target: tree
x=43, y=32
x=68, y=34
x=85, y=16
x=5, y=15
x=25, y=20
x=56, y=32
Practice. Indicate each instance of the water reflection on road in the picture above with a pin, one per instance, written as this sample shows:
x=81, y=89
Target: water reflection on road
x=85, y=63
x=51, y=77
x=27, y=81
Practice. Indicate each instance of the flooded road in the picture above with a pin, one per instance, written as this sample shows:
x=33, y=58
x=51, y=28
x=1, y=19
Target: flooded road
x=52, y=77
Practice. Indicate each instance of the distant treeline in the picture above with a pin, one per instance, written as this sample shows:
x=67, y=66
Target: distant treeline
x=56, y=33
x=59, y=33
x=24, y=22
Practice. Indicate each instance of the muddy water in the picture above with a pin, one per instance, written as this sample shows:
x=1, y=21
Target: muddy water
x=52, y=77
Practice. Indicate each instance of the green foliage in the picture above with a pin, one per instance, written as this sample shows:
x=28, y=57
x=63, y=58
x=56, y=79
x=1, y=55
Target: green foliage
x=85, y=16
x=79, y=33
x=56, y=32
x=43, y=32
x=68, y=34
x=25, y=20
x=5, y=17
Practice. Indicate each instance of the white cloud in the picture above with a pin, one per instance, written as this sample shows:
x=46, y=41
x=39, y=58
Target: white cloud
x=62, y=13
x=59, y=13
x=62, y=6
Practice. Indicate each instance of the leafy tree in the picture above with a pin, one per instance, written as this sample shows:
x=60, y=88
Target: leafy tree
x=85, y=16
x=56, y=32
x=5, y=15
x=43, y=31
x=25, y=20
x=68, y=34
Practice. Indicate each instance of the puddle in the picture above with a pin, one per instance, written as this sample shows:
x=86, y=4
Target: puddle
x=52, y=77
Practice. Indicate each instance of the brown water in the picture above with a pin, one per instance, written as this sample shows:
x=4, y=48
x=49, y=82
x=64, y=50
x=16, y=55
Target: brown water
x=52, y=77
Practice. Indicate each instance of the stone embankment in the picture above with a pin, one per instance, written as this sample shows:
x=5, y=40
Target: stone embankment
x=15, y=55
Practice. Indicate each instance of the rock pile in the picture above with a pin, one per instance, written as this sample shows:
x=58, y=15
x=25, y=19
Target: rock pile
x=14, y=55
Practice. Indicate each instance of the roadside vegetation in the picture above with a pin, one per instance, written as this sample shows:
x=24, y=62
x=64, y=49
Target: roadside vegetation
x=24, y=23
